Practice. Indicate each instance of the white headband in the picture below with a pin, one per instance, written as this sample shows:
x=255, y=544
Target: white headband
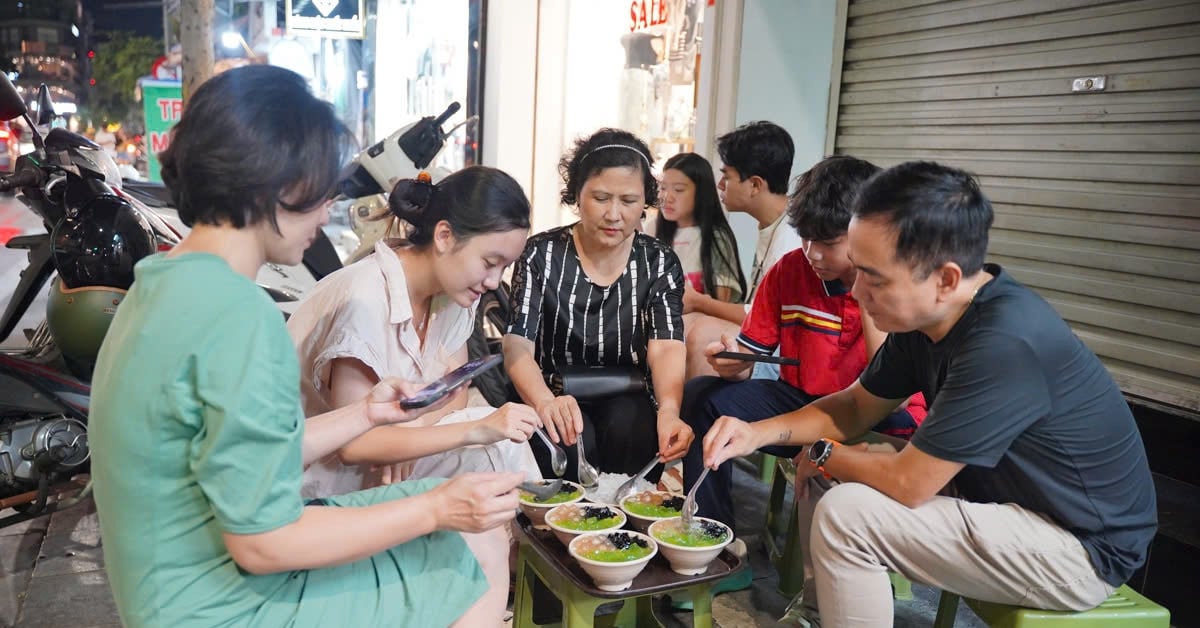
x=639, y=153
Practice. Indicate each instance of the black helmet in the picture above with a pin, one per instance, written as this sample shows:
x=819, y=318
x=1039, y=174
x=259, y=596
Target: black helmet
x=101, y=237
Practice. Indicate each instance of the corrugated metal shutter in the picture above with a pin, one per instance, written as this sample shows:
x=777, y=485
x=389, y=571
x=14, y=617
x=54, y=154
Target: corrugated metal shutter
x=1097, y=194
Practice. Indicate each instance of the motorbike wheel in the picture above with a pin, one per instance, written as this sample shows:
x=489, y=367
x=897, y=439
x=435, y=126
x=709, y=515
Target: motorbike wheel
x=491, y=318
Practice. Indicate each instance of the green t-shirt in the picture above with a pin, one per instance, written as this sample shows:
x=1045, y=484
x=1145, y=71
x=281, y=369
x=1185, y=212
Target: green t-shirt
x=196, y=429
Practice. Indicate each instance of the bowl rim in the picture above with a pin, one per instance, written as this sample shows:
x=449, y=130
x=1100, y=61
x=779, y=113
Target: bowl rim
x=555, y=526
x=600, y=563
x=648, y=517
x=577, y=486
x=688, y=548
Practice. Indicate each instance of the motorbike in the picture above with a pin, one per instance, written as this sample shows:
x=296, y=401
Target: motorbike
x=97, y=227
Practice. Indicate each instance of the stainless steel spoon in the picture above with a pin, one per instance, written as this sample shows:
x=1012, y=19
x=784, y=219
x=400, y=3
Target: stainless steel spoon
x=630, y=487
x=558, y=457
x=589, y=477
x=542, y=491
x=689, y=504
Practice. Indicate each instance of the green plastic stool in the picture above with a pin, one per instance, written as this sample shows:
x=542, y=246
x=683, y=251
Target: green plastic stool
x=766, y=468
x=1125, y=608
x=787, y=559
x=579, y=608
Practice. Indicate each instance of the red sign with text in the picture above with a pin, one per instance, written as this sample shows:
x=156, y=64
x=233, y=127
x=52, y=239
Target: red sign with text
x=646, y=13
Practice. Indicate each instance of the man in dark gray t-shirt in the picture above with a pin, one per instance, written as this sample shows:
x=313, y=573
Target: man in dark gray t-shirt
x=1031, y=412
x=1055, y=504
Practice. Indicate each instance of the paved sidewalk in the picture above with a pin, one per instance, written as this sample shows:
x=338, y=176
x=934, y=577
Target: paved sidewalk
x=53, y=573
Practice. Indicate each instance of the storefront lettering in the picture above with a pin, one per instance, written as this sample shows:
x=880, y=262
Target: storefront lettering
x=159, y=141
x=170, y=108
x=644, y=13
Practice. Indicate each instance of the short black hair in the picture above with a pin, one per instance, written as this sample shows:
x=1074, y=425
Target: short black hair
x=759, y=149
x=606, y=148
x=938, y=213
x=819, y=206
x=474, y=201
x=248, y=138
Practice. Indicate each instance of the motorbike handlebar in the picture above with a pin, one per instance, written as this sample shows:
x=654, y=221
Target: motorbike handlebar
x=451, y=110
x=24, y=178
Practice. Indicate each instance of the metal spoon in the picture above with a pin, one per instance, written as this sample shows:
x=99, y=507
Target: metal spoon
x=542, y=491
x=558, y=457
x=589, y=477
x=689, y=504
x=630, y=487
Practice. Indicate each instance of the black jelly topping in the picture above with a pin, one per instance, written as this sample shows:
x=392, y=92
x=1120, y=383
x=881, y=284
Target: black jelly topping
x=623, y=540
x=601, y=512
x=674, y=503
x=712, y=530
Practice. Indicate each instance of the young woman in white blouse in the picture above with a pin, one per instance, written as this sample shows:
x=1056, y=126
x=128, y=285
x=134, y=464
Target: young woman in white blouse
x=407, y=311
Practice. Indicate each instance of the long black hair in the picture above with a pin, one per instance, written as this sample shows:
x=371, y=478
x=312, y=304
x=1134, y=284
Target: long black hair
x=708, y=215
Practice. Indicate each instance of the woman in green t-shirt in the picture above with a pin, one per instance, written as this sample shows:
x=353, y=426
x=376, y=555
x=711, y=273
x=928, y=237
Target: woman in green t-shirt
x=198, y=436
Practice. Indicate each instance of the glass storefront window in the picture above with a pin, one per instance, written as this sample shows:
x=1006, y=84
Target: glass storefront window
x=658, y=81
x=430, y=58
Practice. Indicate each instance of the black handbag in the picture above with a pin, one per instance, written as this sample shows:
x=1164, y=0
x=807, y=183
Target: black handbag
x=589, y=383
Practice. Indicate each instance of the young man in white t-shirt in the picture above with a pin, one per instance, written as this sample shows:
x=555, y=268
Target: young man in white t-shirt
x=756, y=164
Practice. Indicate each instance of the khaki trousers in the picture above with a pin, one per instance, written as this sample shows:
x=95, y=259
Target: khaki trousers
x=995, y=552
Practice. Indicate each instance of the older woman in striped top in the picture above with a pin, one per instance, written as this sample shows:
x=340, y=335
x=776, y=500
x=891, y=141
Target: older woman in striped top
x=597, y=293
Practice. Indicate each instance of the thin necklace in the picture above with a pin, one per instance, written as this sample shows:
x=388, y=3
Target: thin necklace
x=758, y=267
x=424, y=320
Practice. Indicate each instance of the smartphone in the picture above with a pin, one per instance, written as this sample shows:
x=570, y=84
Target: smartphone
x=450, y=382
x=754, y=357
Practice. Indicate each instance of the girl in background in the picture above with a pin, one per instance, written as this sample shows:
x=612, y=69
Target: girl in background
x=692, y=222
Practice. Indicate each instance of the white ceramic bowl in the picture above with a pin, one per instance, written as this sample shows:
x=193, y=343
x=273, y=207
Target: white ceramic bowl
x=612, y=576
x=565, y=535
x=642, y=522
x=689, y=561
x=537, y=512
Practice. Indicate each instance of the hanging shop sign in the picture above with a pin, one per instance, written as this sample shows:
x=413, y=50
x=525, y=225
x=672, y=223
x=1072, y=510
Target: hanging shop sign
x=327, y=18
x=163, y=105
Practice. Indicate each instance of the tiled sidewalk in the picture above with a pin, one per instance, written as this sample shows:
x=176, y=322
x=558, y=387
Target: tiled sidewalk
x=53, y=573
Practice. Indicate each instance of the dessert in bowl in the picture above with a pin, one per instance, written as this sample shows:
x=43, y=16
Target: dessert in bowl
x=570, y=520
x=690, y=549
x=646, y=507
x=536, y=509
x=613, y=559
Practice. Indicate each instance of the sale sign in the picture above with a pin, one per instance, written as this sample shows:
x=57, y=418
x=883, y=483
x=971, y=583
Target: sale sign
x=163, y=104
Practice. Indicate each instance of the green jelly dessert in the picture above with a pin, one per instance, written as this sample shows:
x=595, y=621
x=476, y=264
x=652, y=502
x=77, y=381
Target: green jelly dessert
x=588, y=518
x=701, y=534
x=618, y=547
x=657, y=507
x=565, y=494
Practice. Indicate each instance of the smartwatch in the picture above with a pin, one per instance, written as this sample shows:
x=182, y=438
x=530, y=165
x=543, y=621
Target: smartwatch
x=818, y=453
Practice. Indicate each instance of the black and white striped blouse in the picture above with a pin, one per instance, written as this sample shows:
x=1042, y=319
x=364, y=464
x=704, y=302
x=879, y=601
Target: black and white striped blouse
x=573, y=321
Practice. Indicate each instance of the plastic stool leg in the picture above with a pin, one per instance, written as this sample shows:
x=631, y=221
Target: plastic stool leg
x=775, y=511
x=901, y=587
x=947, y=609
x=766, y=469
x=702, y=598
x=579, y=609
x=523, y=596
x=790, y=563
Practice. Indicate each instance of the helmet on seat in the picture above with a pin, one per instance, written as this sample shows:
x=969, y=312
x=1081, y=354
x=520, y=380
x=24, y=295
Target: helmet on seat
x=95, y=248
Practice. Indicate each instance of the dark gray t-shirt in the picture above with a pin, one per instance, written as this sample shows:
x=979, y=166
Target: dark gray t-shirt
x=1038, y=421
